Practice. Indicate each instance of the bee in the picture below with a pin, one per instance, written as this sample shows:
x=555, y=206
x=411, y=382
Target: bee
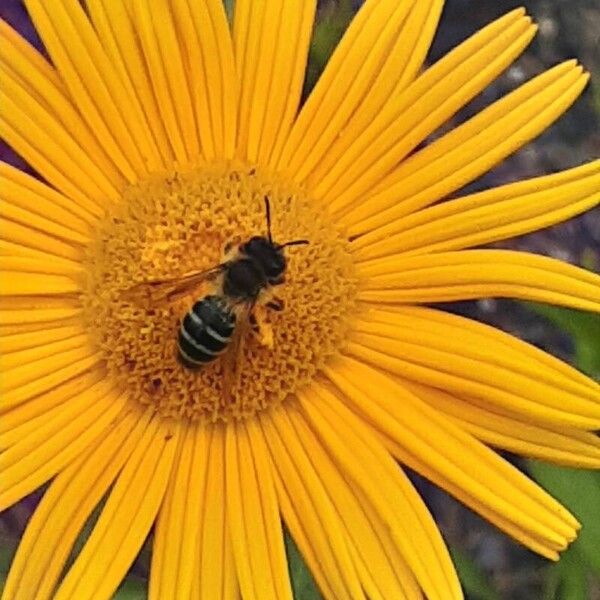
x=217, y=320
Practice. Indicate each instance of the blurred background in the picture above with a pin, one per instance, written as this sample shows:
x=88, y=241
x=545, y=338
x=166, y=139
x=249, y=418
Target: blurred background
x=491, y=566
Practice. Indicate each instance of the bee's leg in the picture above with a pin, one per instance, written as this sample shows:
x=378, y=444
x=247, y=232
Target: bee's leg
x=231, y=245
x=260, y=327
x=276, y=304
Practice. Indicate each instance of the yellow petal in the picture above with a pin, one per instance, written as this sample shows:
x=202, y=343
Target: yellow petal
x=12, y=249
x=30, y=193
x=430, y=329
x=563, y=445
x=126, y=518
x=66, y=506
x=468, y=274
x=309, y=513
x=69, y=430
x=382, y=569
x=16, y=321
x=400, y=68
x=17, y=47
x=31, y=142
x=271, y=47
x=502, y=348
x=431, y=444
x=364, y=155
x=42, y=244
x=113, y=24
x=33, y=198
x=164, y=62
x=43, y=349
x=277, y=560
x=471, y=149
x=59, y=150
x=27, y=381
x=20, y=314
x=253, y=518
x=33, y=284
x=94, y=84
x=17, y=265
x=38, y=365
x=365, y=462
x=342, y=87
x=175, y=557
x=496, y=214
x=301, y=540
x=19, y=421
x=35, y=77
x=445, y=366
x=171, y=510
x=209, y=62
x=217, y=576
x=16, y=342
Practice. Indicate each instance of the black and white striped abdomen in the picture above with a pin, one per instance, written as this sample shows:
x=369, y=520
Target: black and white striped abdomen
x=205, y=331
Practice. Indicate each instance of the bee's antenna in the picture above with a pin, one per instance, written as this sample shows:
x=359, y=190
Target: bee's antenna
x=294, y=243
x=279, y=246
x=268, y=211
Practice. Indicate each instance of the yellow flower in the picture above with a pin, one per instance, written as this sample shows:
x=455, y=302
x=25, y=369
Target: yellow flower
x=159, y=135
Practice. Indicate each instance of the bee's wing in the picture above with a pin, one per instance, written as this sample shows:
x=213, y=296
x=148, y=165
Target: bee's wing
x=164, y=291
x=233, y=359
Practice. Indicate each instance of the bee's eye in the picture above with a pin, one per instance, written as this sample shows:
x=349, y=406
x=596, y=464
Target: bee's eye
x=267, y=254
x=256, y=246
x=275, y=266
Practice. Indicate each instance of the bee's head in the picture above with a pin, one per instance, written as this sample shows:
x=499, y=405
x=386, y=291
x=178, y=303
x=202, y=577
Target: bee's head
x=268, y=255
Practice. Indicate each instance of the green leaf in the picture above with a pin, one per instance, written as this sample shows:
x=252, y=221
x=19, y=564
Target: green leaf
x=567, y=579
x=8, y=548
x=580, y=491
x=332, y=21
x=577, y=489
x=131, y=589
x=583, y=327
x=303, y=584
x=229, y=6
x=473, y=579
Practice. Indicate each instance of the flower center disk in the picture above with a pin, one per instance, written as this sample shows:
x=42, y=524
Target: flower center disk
x=169, y=225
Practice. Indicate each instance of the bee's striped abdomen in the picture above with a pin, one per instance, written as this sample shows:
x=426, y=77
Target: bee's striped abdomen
x=205, y=331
